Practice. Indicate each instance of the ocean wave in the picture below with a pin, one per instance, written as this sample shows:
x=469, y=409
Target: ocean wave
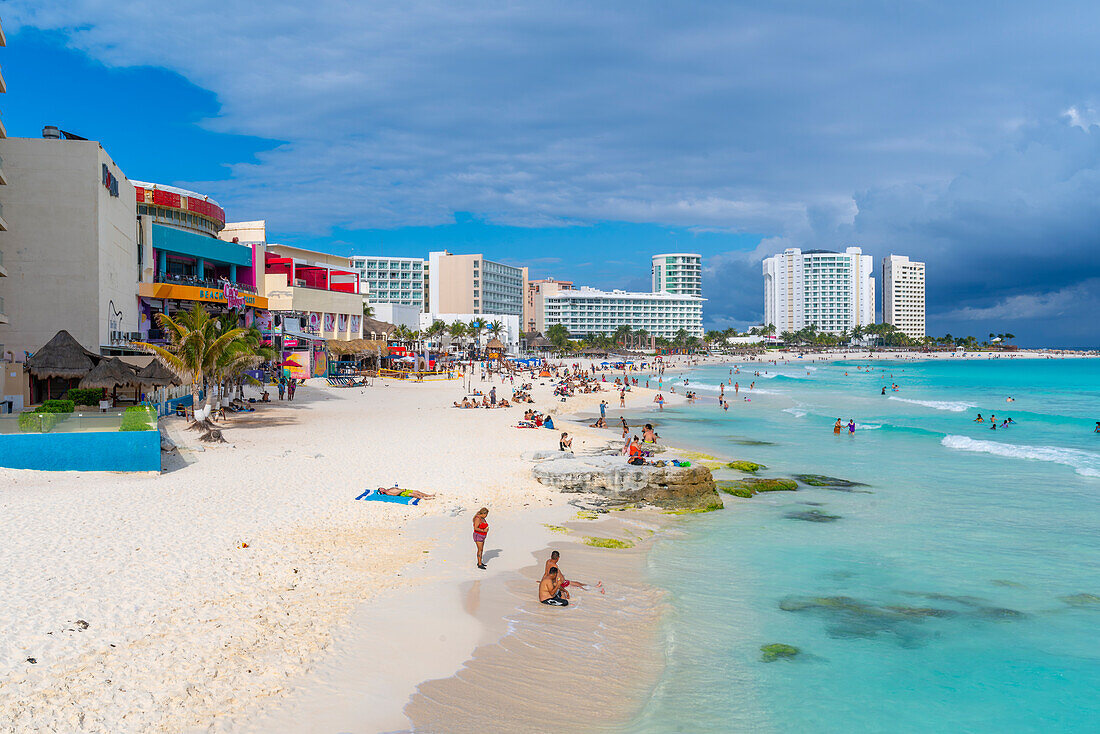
x=1085, y=463
x=868, y=426
x=955, y=406
x=796, y=412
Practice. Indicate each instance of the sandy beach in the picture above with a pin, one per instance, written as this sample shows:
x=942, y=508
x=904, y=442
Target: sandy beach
x=244, y=589
x=193, y=599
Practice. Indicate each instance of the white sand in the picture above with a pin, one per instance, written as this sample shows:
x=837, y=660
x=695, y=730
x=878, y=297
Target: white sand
x=187, y=630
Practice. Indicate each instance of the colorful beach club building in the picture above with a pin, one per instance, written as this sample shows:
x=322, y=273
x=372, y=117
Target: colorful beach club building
x=182, y=260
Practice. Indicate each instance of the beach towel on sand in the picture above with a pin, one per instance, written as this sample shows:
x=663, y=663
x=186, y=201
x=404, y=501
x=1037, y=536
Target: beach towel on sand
x=374, y=494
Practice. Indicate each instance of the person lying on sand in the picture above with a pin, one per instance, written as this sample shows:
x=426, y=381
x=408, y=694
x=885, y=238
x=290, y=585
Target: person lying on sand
x=398, y=492
x=550, y=591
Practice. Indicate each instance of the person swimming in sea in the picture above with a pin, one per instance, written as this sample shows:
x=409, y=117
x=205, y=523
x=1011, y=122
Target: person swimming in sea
x=884, y=389
x=979, y=419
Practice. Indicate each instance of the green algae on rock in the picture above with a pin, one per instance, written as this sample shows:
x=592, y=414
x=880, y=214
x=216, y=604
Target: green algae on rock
x=777, y=651
x=750, y=486
x=749, y=467
x=607, y=542
x=696, y=510
x=555, y=528
x=821, y=480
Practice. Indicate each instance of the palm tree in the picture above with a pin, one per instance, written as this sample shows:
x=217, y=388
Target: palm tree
x=195, y=346
x=368, y=311
x=681, y=337
x=437, y=329
x=640, y=337
x=558, y=335
x=247, y=352
x=474, y=329
x=497, y=328
x=457, y=330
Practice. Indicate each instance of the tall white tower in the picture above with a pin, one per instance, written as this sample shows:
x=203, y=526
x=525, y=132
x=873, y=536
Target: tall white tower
x=678, y=273
x=834, y=291
x=903, y=295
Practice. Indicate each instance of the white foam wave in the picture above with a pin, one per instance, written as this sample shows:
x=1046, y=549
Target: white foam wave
x=955, y=406
x=796, y=412
x=1085, y=463
x=868, y=426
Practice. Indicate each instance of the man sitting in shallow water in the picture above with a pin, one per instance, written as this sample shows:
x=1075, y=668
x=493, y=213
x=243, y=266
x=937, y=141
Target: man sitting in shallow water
x=550, y=591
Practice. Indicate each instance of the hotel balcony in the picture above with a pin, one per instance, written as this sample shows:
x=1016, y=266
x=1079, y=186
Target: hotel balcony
x=3, y=270
x=213, y=284
x=3, y=314
x=3, y=222
x=3, y=178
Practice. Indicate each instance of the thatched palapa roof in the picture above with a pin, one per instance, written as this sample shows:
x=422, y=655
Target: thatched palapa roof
x=157, y=375
x=110, y=373
x=495, y=345
x=63, y=357
x=355, y=346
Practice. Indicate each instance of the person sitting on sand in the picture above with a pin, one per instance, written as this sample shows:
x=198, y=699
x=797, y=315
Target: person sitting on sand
x=600, y=423
x=648, y=434
x=550, y=591
x=552, y=562
x=396, y=491
x=266, y=397
x=565, y=443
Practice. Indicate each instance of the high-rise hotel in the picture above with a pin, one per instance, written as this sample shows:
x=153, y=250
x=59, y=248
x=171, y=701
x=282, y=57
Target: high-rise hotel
x=903, y=295
x=834, y=291
x=678, y=273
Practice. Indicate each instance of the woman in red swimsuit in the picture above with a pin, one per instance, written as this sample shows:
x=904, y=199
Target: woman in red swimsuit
x=481, y=529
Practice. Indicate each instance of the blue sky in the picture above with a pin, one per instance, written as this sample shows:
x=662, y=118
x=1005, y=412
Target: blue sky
x=581, y=138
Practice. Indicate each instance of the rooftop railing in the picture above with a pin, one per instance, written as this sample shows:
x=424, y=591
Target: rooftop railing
x=201, y=282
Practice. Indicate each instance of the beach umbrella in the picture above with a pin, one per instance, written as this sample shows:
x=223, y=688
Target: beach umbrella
x=112, y=373
x=157, y=375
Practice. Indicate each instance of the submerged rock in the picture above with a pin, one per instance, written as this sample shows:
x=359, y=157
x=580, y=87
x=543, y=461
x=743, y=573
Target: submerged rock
x=750, y=486
x=749, y=467
x=669, y=487
x=821, y=480
x=777, y=651
x=811, y=516
x=751, y=442
x=1082, y=600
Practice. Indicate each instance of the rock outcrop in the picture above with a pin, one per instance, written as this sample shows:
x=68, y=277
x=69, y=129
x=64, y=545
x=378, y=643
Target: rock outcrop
x=670, y=487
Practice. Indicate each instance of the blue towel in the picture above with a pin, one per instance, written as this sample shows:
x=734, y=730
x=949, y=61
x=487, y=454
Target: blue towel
x=373, y=494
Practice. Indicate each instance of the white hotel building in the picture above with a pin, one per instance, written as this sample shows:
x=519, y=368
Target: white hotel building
x=585, y=311
x=397, y=280
x=903, y=295
x=834, y=291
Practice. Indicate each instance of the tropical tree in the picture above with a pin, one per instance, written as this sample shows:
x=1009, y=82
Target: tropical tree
x=368, y=310
x=436, y=331
x=558, y=335
x=195, y=346
x=242, y=354
x=681, y=338
x=474, y=329
x=640, y=337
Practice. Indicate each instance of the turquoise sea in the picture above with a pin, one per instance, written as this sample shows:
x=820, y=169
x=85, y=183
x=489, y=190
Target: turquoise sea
x=959, y=591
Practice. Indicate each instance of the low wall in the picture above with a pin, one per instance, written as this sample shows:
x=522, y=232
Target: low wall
x=126, y=451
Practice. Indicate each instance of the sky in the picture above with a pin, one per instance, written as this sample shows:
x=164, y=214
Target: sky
x=581, y=138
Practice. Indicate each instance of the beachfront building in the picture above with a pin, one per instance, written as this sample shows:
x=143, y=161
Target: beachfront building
x=585, y=311
x=3, y=223
x=183, y=260
x=833, y=291
x=70, y=245
x=472, y=284
x=397, y=280
x=537, y=290
x=321, y=286
x=903, y=295
x=398, y=315
x=679, y=273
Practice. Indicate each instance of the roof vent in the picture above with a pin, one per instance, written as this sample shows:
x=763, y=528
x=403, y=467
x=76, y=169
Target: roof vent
x=51, y=132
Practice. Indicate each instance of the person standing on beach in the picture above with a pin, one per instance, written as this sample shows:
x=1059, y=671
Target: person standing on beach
x=481, y=530
x=290, y=388
x=493, y=396
x=282, y=387
x=603, y=409
x=622, y=398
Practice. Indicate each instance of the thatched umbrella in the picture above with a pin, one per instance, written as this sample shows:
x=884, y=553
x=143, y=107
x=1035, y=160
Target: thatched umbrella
x=111, y=373
x=157, y=375
x=62, y=358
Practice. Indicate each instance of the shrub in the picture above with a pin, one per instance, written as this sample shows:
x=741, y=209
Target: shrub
x=56, y=406
x=138, y=418
x=85, y=395
x=38, y=422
